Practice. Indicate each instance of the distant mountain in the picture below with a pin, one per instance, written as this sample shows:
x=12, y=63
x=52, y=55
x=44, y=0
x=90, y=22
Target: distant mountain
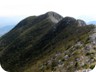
x=49, y=43
x=92, y=22
x=5, y=29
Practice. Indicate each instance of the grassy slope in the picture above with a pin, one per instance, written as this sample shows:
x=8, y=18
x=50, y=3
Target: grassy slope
x=26, y=37
x=63, y=45
x=6, y=39
x=35, y=45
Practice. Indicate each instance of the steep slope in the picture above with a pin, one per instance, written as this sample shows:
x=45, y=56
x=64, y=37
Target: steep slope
x=48, y=43
x=30, y=25
x=28, y=32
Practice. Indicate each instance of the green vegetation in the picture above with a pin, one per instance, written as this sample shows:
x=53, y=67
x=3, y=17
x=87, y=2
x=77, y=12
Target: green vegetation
x=37, y=44
x=92, y=67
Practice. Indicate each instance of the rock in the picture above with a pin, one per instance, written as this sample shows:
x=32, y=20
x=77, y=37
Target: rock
x=79, y=44
x=66, y=57
x=54, y=17
x=68, y=20
x=81, y=22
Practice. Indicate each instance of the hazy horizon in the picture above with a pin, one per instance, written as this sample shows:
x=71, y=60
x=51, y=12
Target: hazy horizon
x=13, y=20
x=13, y=11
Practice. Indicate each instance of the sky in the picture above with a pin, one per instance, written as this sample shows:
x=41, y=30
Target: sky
x=13, y=11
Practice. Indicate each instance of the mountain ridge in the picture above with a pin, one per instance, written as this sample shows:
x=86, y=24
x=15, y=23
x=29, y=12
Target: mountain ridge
x=44, y=42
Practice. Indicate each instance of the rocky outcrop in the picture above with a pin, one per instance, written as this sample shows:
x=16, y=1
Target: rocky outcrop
x=81, y=22
x=54, y=17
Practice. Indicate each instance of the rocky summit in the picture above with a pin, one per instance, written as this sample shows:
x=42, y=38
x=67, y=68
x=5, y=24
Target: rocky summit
x=54, y=17
x=49, y=43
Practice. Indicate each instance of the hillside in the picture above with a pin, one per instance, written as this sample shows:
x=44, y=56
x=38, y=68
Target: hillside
x=49, y=43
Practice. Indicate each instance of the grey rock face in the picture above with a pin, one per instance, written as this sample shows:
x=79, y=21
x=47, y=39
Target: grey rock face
x=81, y=22
x=93, y=36
x=69, y=20
x=54, y=17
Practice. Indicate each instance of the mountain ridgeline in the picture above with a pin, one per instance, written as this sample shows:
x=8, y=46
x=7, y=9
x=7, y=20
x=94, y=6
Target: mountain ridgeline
x=47, y=43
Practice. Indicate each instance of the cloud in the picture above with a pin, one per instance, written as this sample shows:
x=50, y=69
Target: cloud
x=74, y=8
x=36, y=7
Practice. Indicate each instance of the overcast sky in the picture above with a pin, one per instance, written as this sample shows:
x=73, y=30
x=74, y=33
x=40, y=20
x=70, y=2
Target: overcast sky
x=12, y=11
x=36, y=7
